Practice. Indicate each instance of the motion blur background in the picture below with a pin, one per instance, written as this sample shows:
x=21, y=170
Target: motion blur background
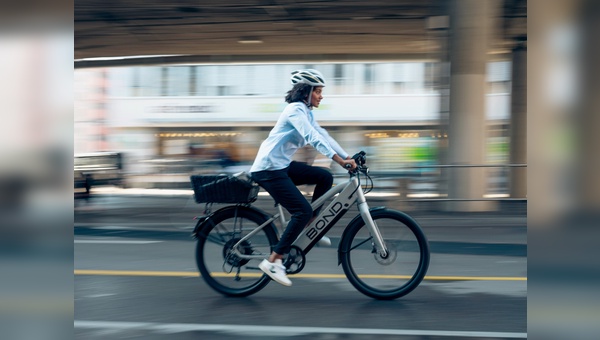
x=42, y=92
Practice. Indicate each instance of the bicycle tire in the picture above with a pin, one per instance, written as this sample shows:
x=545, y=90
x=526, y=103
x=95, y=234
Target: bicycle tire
x=403, y=269
x=218, y=267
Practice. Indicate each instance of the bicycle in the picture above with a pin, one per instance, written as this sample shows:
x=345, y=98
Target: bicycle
x=383, y=252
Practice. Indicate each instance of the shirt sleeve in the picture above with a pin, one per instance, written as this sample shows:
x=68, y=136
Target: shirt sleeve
x=299, y=120
x=338, y=149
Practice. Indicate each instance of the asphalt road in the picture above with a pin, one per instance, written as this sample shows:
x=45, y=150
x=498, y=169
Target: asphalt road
x=136, y=277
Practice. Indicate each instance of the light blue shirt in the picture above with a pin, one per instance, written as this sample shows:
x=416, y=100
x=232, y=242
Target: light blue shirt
x=295, y=128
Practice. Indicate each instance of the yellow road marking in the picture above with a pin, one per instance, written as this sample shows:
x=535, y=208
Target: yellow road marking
x=306, y=276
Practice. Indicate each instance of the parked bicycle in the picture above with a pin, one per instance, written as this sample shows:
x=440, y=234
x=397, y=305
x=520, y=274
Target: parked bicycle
x=383, y=252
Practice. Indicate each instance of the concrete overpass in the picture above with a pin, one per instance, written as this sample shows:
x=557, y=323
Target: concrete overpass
x=267, y=30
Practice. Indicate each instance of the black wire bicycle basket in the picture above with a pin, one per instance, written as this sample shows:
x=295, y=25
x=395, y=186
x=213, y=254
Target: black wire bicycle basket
x=224, y=189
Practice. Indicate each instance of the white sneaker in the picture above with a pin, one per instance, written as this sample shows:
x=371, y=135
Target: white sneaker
x=276, y=270
x=324, y=241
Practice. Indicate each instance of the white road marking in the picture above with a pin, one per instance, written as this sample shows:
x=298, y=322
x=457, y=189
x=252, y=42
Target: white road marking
x=137, y=226
x=99, y=295
x=245, y=330
x=115, y=242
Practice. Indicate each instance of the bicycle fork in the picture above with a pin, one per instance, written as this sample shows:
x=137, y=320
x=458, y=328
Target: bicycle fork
x=363, y=208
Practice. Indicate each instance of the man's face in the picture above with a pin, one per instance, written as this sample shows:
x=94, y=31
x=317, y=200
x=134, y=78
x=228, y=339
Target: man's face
x=316, y=96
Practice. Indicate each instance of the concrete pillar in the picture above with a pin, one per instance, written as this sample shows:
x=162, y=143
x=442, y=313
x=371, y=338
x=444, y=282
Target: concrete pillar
x=518, y=123
x=587, y=121
x=438, y=27
x=470, y=27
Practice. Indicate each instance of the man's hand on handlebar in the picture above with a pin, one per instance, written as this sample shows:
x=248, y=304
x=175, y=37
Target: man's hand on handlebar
x=348, y=163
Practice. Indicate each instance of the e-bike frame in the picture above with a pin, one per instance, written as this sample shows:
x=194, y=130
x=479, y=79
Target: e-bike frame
x=348, y=193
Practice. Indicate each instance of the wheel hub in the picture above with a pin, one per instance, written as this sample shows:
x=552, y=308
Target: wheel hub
x=389, y=258
x=231, y=258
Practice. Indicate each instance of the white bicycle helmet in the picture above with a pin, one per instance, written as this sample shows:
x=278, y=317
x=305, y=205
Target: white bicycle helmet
x=308, y=76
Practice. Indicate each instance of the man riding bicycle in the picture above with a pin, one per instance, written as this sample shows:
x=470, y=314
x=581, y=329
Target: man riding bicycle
x=274, y=170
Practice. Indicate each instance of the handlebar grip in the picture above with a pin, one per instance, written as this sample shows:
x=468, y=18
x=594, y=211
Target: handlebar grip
x=348, y=166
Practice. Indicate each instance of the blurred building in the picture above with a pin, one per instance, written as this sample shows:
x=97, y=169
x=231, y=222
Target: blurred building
x=164, y=117
x=90, y=118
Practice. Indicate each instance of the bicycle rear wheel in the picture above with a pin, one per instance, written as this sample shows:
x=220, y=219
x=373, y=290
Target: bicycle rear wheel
x=222, y=270
x=394, y=275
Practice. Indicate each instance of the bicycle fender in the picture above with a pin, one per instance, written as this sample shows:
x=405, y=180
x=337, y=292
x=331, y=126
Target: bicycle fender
x=200, y=224
x=357, y=219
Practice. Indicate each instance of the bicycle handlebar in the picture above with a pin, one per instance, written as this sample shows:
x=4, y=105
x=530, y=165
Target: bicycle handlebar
x=360, y=158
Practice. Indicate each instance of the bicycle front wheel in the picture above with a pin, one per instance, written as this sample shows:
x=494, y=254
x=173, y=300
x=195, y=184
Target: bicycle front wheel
x=388, y=276
x=219, y=266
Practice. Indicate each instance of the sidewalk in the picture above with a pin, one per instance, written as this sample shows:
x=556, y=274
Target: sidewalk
x=179, y=186
x=176, y=207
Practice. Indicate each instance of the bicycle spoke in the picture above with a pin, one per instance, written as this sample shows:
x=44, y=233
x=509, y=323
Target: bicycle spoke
x=361, y=243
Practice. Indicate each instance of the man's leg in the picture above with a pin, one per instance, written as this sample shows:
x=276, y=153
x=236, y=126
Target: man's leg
x=283, y=190
x=302, y=173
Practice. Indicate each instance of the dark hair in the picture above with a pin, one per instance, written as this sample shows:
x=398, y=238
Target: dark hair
x=298, y=93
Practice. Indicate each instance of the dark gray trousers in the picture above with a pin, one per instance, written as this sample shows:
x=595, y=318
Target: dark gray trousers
x=281, y=185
